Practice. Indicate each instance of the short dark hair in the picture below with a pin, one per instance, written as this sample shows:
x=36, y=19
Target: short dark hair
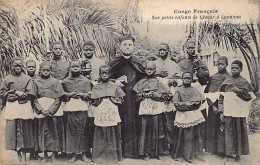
x=163, y=43
x=239, y=63
x=45, y=63
x=104, y=66
x=89, y=43
x=224, y=58
x=30, y=60
x=187, y=72
x=55, y=43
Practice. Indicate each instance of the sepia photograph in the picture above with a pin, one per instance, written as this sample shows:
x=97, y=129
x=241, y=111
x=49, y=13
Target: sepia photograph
x=130, y=82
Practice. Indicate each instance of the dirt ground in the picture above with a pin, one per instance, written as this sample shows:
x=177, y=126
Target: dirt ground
x=10, y=157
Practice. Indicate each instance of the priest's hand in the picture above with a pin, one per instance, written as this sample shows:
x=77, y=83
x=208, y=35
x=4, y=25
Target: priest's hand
x=163, y=73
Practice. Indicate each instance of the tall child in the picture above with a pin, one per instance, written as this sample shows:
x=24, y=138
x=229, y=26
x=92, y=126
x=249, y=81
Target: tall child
x=152, y=95
x=233, y=112
x=77, y=93
x=188, y=141
x=106, y=95
x=17, y=91
x=60, y=68
x=50, y=126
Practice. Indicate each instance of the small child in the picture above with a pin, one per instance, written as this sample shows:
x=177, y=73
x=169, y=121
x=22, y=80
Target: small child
x=106, y=95
x=31, y=68
x=50, y=126
x=188, y=139
x=233, y=112
x=152, y=95
x=17, y=91
x=213, y=133
x=77, y=93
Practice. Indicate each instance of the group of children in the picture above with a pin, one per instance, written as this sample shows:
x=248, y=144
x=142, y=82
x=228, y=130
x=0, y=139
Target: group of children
x=44, y=114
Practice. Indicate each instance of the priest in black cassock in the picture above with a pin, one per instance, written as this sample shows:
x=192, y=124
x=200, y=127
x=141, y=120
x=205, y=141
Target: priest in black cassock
x=127, y=67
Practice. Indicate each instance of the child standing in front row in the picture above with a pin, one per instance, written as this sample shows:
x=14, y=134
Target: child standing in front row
x=17, y=91
x=50, y=126
x=106, y=95
x=30, y=70
x=188, y=141
x=77, y=89
x=152, y=95
x=233, y=104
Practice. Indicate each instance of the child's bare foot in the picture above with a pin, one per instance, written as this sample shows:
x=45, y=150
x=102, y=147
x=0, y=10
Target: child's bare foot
x=158, y=157
x=179, y=159
x=19, y=156
x=85, y=159
x=53, y=158
x=73, y=159
x=146, y=157
x=23, y=159
x=238, y=159
x=44, y=160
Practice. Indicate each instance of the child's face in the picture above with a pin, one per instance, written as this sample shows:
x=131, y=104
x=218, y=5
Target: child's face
x=235, y=69
x=31, y=67
x=75, y=67
x=45, y=70
x=186, y=78
x=163, y=51
x=127, y=47
x=191, y=49
x=57, y=50
x=17, y=66
x=150, y=69
x=221, y=65
x=104, y=74
x=88, y=51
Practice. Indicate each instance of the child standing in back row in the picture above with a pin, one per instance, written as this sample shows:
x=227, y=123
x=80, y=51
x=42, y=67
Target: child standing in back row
x=213, y=134
x=106, y=96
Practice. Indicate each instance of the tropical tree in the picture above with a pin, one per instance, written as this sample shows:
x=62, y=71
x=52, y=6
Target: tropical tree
x=30, y=29
x=233, y=37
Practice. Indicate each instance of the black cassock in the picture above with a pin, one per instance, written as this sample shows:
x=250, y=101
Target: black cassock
x=128, y=111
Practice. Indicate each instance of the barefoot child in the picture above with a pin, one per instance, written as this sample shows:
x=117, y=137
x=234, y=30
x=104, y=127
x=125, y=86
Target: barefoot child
x=234, y=105
x=106, y=96
x=213, y=133
x=188, y=142
x=152, y=95
x=31, y=69
x=50, y=126
x=77, y=89
x=17, y=91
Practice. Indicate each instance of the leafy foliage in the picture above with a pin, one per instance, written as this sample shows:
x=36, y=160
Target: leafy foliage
x=232, y=36
x=32, y=29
